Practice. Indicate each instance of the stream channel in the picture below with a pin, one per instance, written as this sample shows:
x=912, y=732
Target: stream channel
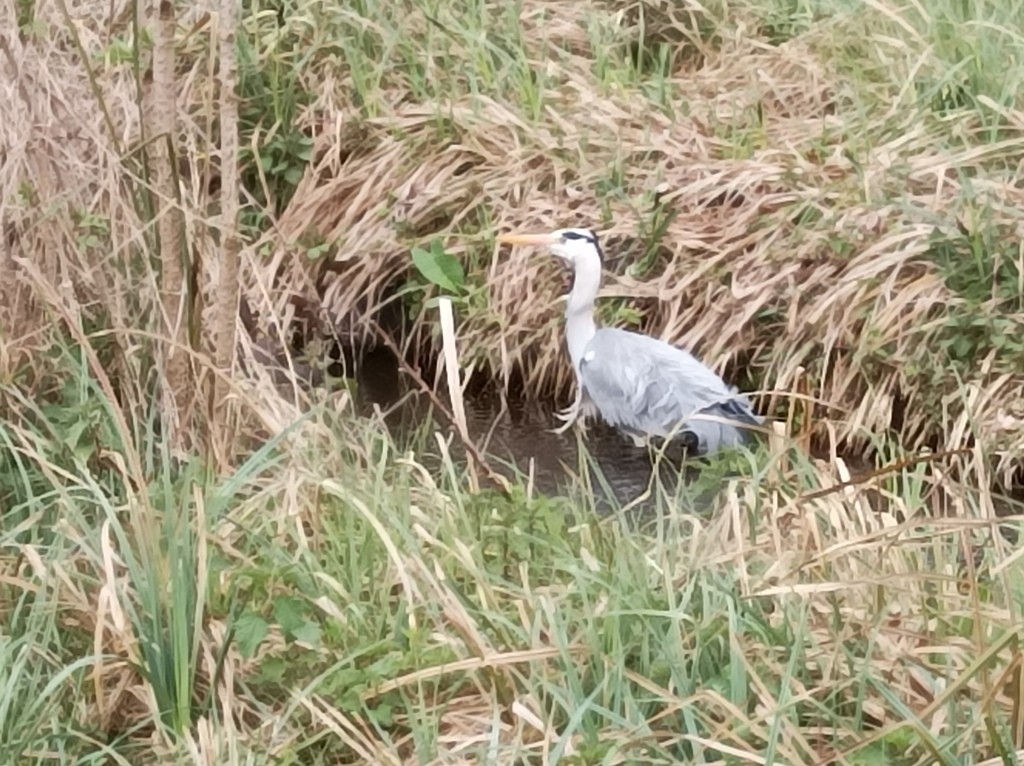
x=516, y=437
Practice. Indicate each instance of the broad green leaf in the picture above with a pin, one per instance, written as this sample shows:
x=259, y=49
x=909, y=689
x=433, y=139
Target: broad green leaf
x=439, y=267
x=308, y=633
x=383, y=714
x=250, y=630
x=290, y=614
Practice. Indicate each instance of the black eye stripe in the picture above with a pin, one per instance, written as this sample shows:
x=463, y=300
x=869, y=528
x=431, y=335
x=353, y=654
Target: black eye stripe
x=588, y=235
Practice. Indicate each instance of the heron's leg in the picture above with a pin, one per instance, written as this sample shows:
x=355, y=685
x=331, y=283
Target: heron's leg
x=571, y=412
x=570, y=415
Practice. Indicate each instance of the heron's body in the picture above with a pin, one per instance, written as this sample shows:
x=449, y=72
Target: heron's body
x=647, y=387
x=639, y=384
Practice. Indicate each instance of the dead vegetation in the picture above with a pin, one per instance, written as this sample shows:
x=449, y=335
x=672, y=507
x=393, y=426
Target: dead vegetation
x=799, y=237
x=796, y=218
x=806, y=202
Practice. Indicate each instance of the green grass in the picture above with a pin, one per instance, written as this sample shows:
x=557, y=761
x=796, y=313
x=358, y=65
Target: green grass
x=334, y=583
x=338, y=596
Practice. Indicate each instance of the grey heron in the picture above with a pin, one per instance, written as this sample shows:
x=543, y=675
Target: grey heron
x=640, y=385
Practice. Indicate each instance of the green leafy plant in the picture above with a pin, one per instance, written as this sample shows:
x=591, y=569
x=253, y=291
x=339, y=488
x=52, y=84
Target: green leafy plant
x=439, y=267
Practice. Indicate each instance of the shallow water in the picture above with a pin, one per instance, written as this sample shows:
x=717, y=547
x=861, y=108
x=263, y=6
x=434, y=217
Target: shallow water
x=516, y=437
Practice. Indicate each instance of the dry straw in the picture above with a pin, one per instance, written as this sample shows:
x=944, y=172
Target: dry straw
x=793, y=259
x=800, y=212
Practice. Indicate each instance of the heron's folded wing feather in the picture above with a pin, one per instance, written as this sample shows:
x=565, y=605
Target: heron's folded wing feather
x=643, y=383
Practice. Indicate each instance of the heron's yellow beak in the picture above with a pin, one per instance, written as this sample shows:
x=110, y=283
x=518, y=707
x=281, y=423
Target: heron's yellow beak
x=528, y=239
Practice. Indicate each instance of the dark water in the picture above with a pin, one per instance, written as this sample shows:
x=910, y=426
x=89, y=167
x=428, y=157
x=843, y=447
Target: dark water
x=516, y=437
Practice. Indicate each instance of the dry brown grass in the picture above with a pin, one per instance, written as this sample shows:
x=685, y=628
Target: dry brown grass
x=850, y=300
x=820, y=598
x=759, y=136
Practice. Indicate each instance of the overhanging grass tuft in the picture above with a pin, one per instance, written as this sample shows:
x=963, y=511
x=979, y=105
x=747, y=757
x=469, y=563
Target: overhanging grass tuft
x=805, y=184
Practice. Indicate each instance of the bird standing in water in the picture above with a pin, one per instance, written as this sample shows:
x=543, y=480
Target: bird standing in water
x=641, y=385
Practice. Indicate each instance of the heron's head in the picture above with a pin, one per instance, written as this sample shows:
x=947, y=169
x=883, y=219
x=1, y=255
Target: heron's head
x=578, y=248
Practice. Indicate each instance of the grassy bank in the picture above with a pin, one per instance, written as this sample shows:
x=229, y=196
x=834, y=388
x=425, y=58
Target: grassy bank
x=822, y=198
x=837, y=200
x=333, y=602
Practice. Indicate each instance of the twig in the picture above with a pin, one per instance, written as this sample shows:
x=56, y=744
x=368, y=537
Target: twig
x=899, y=465
x=500, y=481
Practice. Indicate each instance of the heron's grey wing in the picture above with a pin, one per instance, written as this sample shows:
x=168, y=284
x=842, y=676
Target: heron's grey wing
x=645, y=385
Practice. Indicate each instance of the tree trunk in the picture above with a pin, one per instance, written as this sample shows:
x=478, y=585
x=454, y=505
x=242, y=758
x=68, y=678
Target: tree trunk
x=178, y=389
x=227, y=286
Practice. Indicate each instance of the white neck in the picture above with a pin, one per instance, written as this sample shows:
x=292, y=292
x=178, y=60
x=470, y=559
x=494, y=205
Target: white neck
x=579, y=313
